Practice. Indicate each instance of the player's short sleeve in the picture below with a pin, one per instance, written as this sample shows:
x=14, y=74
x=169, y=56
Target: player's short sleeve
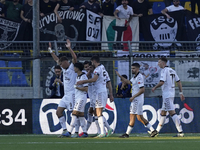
x=140, y=81
x=97, y=71
x=107, y=77
x=177, y=77
x=84, y=77
x=163, y=75
x=131, y=80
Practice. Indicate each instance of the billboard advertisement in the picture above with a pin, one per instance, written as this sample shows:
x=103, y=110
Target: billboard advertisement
x=45, y=120
x=15, y=116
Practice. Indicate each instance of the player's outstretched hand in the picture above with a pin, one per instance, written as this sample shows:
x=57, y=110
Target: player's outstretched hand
x=131, y=99
x=182, y=97
x=68, y=44
x=111, y=98
x=153, y=89
x=49, y=49
x=79, y=82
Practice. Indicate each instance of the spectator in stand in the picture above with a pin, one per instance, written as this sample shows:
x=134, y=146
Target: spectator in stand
x=77, y=3
x=92, y=6
x=175, y=7
x=193, y=5
x=56, y=83
x=123, y=89
x=124, y=11
x=63, y=5
x=46, y=6
x=108, y=7
x=141, y=8
x=167, y=2
x=27, y=17
x=2, y=8
x=20, y=1
x=13, y=10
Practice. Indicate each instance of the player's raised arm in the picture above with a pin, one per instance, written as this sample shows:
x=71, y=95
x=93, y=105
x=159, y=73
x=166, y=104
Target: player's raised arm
x=68, y=45
x=53, y=54
x=122, y=78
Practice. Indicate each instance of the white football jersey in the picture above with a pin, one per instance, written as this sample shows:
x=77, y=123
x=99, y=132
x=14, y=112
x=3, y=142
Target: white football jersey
x=137, y=83
x=69, y=79
x=169, y=76
x=100, y=84
x=81, y=95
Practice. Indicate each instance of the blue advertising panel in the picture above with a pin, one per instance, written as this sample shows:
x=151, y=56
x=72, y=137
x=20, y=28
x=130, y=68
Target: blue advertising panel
x=45, y=120
x=187, y=111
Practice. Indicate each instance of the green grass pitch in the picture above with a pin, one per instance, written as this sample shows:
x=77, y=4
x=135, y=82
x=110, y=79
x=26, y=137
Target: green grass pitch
x=134, y=142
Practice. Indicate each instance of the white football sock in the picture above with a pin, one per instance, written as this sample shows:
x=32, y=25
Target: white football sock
x=106, y=124
x=97, y=124
x=63, y=122
x=149, y=126
x=129, y=129
x=77, y=125
x=161, y=123
x=72, y=124
x=101, y=124
x=89, y=120
x=177, y=123
x=83, y=124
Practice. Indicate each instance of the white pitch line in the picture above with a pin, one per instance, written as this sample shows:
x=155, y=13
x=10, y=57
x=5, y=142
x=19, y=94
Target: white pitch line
x=103, y=142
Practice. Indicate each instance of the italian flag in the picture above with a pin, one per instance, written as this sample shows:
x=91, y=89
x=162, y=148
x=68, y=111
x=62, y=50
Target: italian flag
x=110, y=33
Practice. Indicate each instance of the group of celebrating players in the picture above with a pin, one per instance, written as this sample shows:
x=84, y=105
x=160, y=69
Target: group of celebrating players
x=92, y=78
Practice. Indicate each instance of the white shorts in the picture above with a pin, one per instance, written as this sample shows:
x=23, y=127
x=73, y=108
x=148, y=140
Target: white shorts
x=136, y=106
x=67, y=102
x=80, y=105
x=168, y=104
x=101, y=100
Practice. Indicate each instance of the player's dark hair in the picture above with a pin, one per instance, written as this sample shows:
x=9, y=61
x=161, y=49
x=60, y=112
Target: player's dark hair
x=79, y=65
x=57, y=67
x=96, y=58
x=163, y=59
x=63, y=58
x=86, y=62
x=125, y=76
x=136, y=65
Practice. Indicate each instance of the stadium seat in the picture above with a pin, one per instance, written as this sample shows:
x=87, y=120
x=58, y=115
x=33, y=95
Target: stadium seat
x=188, y=7
x=2, y=64
x=15, y=64
x=157, y=7
x=4, y=79
x=18, y=79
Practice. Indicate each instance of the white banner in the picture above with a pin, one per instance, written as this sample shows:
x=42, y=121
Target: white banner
x=93, y=29
x=188, y=70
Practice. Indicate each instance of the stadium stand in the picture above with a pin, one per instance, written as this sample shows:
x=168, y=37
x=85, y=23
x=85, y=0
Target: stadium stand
x=18, y=79
x=188, y=7
x=157, y=7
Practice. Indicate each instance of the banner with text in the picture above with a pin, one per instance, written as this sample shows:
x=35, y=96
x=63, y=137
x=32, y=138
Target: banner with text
x=159, y=28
